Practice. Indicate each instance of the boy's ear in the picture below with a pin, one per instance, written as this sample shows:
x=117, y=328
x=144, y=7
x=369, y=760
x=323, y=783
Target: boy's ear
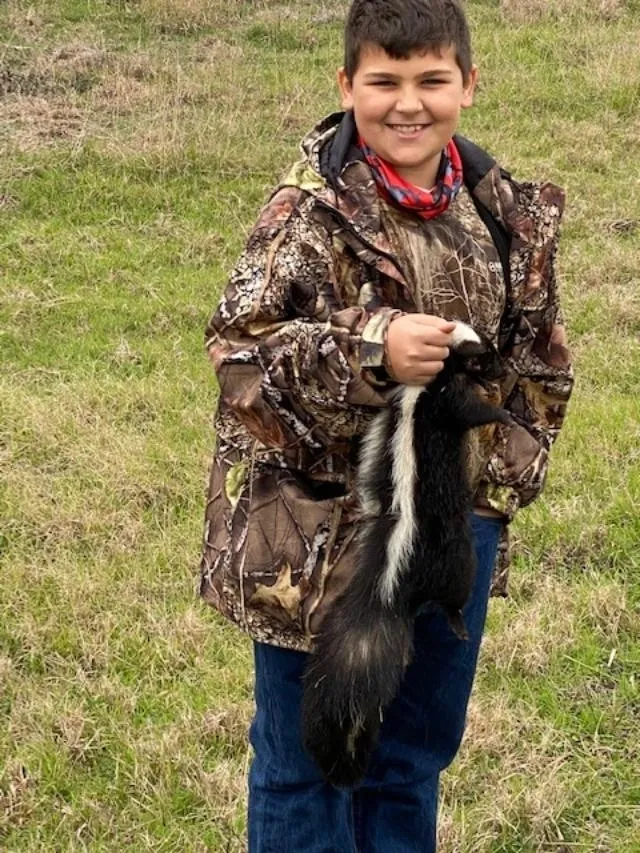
x=469, y=87
x=346, y=90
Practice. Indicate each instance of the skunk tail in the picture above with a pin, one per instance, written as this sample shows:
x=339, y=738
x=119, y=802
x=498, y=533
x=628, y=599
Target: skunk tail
x=352, y=676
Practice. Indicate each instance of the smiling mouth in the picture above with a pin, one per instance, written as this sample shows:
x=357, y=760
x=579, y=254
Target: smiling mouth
x=408, y=128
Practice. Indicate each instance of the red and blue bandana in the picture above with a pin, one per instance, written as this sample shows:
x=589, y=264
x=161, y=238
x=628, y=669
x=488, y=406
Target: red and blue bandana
x=426, y=203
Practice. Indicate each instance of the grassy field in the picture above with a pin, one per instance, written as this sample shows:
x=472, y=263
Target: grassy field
x=138, y=140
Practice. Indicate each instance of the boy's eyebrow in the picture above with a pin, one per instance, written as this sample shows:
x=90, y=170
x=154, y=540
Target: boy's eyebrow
x=433, y=72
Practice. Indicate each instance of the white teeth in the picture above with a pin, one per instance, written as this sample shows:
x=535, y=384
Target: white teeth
x=407, y=128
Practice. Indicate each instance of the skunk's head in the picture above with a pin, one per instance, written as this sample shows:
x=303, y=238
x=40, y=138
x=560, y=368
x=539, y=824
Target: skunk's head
x=474, y=355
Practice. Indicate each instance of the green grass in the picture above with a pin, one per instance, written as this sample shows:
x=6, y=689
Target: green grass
x=138, y=140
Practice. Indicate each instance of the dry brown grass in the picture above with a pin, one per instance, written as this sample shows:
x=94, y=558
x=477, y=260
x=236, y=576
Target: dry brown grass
x=43, y=84
x=225, y=789
x=518, y=769
x=75, y=734
x=540, y=629
x=17, y=796
x=546, y=626
x=82, y=92
x=529, y=11
x=160, y=101
x=323, y=12
x=44, y=68
x=191, y=16
x=230, y=723
x=33, y=123
x=24, y=21
x=158, y=86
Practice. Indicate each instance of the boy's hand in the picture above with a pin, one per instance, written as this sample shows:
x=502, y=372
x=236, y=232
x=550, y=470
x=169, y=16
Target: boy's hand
x=417, y=345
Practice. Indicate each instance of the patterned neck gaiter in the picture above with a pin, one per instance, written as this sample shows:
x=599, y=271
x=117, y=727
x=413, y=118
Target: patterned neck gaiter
x=426, y=203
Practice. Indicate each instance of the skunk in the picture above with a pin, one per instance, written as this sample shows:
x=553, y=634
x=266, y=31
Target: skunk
x=415, y=546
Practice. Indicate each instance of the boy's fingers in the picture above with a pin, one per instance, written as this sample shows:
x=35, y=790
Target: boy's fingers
x=443, y=325
x=438, y=339
x=432, y=353
x=430, y=336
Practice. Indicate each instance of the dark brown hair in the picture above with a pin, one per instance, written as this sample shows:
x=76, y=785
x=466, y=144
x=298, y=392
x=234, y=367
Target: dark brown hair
x=403, y=27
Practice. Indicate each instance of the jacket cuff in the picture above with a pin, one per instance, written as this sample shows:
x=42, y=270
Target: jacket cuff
x=374, y=339
x=502, y=499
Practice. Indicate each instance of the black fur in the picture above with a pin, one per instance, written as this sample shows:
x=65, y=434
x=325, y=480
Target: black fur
x=365, y=643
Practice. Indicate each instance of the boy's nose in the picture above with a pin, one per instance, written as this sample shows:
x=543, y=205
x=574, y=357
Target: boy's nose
x=409, y=102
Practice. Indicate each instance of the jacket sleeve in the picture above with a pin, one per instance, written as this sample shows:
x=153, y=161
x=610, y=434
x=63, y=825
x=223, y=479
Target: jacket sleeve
x=295, y=355
x=540, y=376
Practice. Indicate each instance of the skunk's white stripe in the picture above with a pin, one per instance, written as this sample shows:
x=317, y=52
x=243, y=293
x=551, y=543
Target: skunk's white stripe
x=371, y=453
x=463, y=334
x=400, y=543
x=403, y=475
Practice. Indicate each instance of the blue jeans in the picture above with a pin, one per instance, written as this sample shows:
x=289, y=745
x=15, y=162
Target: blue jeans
x=292, y=809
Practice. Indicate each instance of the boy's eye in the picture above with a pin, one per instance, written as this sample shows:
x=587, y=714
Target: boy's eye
x=390, y=84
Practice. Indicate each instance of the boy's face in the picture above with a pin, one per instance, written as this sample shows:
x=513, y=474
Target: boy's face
x=407, y=110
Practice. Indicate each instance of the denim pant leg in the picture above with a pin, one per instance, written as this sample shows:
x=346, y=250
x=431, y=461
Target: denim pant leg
x=395, y=810
x=291, y=808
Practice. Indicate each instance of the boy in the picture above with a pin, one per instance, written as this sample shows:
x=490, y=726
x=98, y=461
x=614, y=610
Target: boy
x=388, y=229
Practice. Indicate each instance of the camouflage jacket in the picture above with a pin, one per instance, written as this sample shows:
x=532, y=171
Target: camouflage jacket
x=297, y=342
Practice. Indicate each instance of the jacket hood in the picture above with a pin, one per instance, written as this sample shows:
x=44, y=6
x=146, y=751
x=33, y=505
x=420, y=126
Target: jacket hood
x=319, y=168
